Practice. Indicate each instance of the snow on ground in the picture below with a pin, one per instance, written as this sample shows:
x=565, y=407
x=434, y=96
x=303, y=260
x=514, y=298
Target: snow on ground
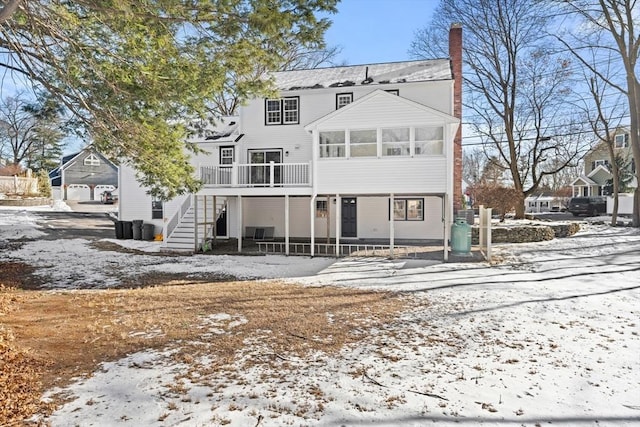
x=551, y=336
x=57, y=260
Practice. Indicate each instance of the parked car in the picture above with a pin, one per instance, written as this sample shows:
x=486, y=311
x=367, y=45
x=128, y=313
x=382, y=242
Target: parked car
x=589, y=206
x=106, y=198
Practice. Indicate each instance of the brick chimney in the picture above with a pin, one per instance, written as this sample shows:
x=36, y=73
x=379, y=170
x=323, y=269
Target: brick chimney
x=455, y=55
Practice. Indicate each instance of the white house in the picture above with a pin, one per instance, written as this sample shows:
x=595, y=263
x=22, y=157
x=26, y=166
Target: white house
x=342, y=155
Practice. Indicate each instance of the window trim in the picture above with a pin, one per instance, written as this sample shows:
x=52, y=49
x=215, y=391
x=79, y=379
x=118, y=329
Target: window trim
x=625, y=140
x=343, y=94
x=91, y=160
x=406, y=200
x=233, y=155
x=157, y=209
x=322, y=208
x=282, y=112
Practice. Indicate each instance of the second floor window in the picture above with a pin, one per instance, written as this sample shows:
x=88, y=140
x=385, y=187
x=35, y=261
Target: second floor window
x=597, y=163
x=226, y=156
x=343, y=99
x=282, y=111
x=622, y=140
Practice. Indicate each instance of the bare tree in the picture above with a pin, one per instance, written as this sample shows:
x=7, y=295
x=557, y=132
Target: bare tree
x=611, y=27
x=473, y=161
x=294, y=57
x=604, y=122
x=29, y=127
x=515, y=86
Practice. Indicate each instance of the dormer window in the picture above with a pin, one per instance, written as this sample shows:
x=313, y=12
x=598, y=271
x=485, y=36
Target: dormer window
x=282, y=111
x=91, y=160
x=622, y=140
x=343, y=99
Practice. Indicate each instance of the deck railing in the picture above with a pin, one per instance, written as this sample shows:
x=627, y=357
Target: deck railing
x=346, y=249
x=257, y=175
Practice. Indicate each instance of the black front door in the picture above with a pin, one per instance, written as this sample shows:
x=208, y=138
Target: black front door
x=349, y=217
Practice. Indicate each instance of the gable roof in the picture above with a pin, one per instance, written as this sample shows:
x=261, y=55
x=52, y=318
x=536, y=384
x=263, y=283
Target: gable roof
x=584, y=179
x=390, y=102
x=364, y=75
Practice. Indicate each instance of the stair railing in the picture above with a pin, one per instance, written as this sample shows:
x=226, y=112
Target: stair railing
x=175, y=219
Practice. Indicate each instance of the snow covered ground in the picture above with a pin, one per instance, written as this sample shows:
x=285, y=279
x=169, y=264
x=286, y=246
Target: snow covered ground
x=551, y=336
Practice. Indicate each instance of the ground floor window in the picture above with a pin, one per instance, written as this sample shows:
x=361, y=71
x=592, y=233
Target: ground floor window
x=321, y=208
x=408, y=209
x=156, y=209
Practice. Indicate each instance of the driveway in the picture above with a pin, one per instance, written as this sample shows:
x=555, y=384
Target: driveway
x=76, y=225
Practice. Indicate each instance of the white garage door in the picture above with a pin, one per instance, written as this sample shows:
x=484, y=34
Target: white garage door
x=100, y=188
x=79, y=192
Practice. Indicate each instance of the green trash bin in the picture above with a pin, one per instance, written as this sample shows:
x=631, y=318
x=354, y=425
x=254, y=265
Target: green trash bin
x=461, y=237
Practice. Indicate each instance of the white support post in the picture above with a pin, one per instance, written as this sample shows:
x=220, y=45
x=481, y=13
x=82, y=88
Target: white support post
x=391, y=226
x=338, y=223
x=215, y=219
x=271, y=173
x=195, y=223
x=447, y=230
x=239, y=223
x=286, y=224
x=312, y=223
x=234, y=174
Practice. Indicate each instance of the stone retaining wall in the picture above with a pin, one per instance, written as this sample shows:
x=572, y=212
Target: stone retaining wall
x=527, y=233
x=31, y=201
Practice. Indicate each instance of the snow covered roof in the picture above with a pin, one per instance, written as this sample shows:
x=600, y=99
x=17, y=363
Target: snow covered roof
x=216, y=129
x=367, y=74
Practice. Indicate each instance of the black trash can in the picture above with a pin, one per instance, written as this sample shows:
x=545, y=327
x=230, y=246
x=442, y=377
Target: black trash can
x=119, y=229
x=127, y=230
x=137, y=229
x=148, y=231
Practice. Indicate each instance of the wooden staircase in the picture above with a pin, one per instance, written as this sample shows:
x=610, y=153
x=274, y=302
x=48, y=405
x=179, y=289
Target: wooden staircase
x=182, y=238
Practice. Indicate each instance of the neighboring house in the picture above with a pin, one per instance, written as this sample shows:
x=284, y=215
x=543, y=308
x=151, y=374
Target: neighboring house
x=344, y=154
x=543, y=202
x=597, y=164
x=83, y=176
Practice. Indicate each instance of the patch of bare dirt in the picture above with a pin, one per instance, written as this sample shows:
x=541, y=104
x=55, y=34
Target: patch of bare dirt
x=68, y=334
x=19, y=275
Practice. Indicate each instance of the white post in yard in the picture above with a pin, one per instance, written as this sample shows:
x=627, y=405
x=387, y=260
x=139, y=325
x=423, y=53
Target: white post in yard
x=286, y=224
x=338, y=216
x=481, y=232
x=391, y=226
x=239, y=223
x=488, y=234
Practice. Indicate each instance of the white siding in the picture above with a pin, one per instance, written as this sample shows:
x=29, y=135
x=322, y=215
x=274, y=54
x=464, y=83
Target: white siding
x=317, y=103
x=134, y=202
x=375, y=176
x=373, y=218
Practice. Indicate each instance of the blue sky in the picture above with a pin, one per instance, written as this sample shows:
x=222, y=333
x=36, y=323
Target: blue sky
x=371, y=31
